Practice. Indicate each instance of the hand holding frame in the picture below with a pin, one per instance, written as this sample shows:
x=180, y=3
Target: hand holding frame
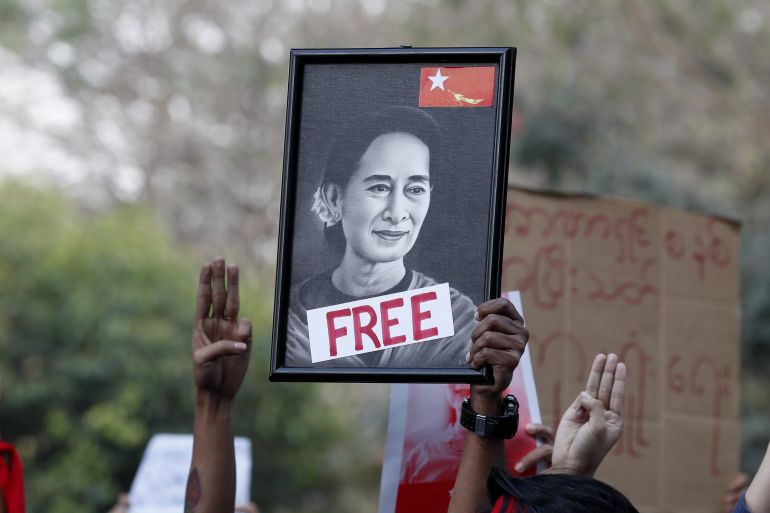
x=498, y=341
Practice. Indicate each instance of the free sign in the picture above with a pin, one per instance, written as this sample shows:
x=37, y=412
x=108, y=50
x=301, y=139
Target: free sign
x=380, y=323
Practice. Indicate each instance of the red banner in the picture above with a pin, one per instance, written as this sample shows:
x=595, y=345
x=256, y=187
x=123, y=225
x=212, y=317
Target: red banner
x=425, y=439
x=468, y=86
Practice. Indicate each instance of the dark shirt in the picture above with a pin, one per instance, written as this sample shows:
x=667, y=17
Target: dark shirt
x=319, y=291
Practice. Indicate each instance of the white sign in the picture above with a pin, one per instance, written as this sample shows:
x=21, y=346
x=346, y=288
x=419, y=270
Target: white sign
x=380, y=322
x=161, y=481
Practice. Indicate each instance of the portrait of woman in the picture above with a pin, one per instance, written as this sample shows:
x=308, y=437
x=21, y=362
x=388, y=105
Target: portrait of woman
x=373, y=199
x=391, y=218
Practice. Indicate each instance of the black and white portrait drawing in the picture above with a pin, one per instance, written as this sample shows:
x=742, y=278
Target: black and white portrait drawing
x=386, y=235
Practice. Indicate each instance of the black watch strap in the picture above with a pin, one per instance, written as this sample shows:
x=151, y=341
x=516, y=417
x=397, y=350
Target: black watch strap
x=500, y=426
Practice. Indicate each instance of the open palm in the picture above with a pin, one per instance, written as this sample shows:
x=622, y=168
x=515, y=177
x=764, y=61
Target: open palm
x=594, y=421
x=220, y=341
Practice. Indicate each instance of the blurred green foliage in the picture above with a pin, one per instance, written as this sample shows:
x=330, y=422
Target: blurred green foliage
x=94, y=351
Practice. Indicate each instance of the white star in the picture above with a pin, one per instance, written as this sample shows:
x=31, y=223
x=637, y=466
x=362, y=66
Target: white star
x=438, y=80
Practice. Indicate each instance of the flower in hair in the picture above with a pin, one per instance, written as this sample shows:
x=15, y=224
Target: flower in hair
x=322, y=209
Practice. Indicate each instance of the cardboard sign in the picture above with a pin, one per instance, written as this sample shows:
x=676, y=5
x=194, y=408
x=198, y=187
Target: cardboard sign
x=425, y=439
x=380, y=322
x=659, y=287
x=160, y=482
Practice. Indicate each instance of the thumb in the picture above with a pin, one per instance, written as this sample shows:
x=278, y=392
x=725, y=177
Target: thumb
x=211, y=352
x=575, y=412
x=595, y=410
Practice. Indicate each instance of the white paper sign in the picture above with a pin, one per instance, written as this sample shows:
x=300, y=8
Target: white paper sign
x=161, y=481
x=380, y=322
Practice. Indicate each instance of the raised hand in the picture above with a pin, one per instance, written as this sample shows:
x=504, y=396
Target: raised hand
x=498, y=341
x=221, y=342
x=543, y=453
x=594, y=421
x=221, y=345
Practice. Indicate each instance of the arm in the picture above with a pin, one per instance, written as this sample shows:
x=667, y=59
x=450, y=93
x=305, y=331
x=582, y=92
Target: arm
x=758, y=494
x=497, y=341
x=594, y=421
x=221, y=346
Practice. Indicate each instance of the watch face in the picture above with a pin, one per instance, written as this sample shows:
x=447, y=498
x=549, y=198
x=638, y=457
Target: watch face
x=511, y=406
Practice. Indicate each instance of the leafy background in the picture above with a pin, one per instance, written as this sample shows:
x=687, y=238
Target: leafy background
x=139, y=138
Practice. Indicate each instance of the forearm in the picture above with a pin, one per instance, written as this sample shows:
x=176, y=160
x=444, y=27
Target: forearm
x=758, y=494
x=480, y=454
x=211, y=483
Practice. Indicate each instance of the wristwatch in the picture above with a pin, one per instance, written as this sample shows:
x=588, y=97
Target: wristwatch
x=501, y=426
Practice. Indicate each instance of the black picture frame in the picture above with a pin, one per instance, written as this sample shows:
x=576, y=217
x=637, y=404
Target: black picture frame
x=315, y=111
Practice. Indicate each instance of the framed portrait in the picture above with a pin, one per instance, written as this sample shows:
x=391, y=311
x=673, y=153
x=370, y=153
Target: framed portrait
x=392, y=211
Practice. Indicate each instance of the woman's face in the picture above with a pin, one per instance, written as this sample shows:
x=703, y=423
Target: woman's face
x=386, y=199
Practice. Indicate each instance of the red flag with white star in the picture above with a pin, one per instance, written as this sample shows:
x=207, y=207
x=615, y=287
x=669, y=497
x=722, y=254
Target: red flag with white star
x=467, y=86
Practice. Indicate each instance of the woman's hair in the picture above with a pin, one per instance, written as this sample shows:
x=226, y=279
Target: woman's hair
x=556, y=493
x=352, y=142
